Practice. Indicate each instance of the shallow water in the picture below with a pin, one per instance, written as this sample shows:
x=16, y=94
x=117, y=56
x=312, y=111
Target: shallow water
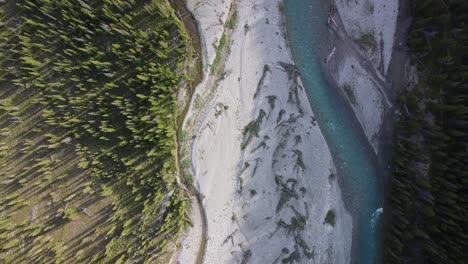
x=357, y=169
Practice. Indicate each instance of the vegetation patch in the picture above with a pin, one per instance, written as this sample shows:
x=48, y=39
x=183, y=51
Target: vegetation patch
x=232, y=22
x=253, y=192
x=288, y=191
x=293, y=75
x=330, y=218
x=252, y=129
x=368, y=41
x=219, y=53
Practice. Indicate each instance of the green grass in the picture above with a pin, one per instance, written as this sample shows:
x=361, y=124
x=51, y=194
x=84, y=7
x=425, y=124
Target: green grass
x=186, y=164
x=232, y=22
x=219, y=53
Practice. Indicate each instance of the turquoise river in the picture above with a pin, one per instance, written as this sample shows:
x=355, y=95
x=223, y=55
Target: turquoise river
x=359, y=174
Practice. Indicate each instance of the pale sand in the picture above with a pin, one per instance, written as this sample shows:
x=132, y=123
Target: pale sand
x=375, y=17
x=363, y=96
x=362, y=69
x=243, y=205
x=191, y=239
x=211, y=16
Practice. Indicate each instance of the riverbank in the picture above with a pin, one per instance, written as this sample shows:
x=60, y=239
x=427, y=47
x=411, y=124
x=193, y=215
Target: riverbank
x=363, y=36
x=260, y=162
x=370, y=66
x=195, y=65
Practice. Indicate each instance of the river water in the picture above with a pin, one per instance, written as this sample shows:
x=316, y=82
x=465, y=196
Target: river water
x=359, y=174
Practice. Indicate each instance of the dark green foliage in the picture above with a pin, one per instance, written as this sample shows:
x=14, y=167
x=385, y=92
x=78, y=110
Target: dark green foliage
x=428, y=203
x=368, y=41
x=288, y=191
x=232, y=22
x=293, y=75
x=100, y=76
x=219, y=53
x=330, y=218
x=252, y=129
x=271, y=101
x=253, y=193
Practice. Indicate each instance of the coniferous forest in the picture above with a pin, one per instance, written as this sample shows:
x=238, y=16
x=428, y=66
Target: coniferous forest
x=88, y=149
x=428, y=197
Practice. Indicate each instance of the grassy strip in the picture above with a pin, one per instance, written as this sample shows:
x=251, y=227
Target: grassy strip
x=219, y=53
x=232, y=22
